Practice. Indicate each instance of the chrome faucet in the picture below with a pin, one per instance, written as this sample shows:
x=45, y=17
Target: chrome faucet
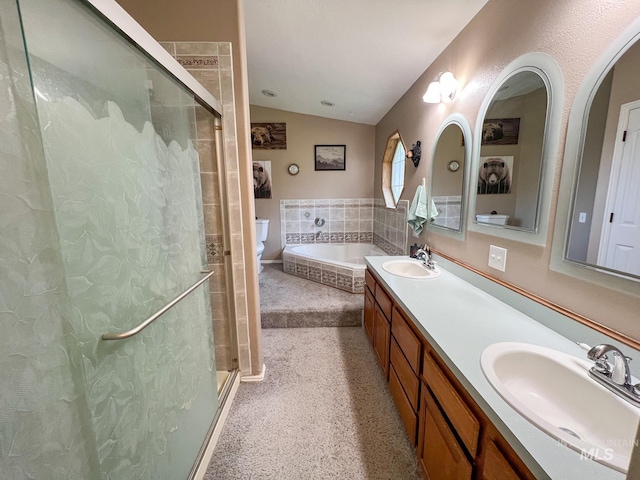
x=617, y=378
x=424, y=254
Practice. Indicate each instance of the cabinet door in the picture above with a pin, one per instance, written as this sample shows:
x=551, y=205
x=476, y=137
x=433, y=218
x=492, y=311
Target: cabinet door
x=495, y=465
x=368, y=313
x=440, y=455
x=381, y=337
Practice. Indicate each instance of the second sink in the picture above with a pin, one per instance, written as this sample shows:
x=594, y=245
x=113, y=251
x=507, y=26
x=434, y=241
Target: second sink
x=409, y=269
x=553, y=391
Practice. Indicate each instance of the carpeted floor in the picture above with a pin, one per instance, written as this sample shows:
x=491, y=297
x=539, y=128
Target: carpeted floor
x=323, y=411
x=290, y=301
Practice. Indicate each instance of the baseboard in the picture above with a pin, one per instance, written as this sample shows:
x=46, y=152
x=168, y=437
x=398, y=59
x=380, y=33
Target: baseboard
x=208, y=453
x=271, y=261
x=255, y=378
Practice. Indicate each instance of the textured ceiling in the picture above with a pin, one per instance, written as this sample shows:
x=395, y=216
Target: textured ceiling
x=361, y=55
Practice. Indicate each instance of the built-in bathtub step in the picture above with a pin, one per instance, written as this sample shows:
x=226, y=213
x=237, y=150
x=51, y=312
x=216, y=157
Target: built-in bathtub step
x=287, y=301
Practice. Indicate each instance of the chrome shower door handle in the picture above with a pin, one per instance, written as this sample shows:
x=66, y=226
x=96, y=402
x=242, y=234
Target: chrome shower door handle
x=158, y=314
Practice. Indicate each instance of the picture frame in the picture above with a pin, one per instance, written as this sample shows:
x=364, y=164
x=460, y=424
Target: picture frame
x=500, y=131
x=269, y=136
x=330, y=157
x=494, y=176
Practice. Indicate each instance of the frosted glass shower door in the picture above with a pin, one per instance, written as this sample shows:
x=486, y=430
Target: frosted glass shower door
x=118, y=135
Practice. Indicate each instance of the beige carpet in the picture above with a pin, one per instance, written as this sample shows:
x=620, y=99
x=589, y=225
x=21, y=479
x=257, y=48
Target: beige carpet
x=324, y=411
x=290, y=301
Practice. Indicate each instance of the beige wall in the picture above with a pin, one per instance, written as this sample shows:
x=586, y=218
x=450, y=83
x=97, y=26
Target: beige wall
x=219, y=21
x=303, y=133
x=575, y=33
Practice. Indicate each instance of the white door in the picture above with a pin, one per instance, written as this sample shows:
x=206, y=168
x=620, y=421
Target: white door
x=621, y=247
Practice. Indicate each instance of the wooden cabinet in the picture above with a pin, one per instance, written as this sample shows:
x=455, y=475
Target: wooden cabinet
x=381, y=337
x=439, y=454
x=369, y=313
x=454, y=438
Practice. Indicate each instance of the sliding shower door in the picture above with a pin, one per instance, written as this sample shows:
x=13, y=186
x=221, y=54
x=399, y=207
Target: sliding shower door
x=118, y=136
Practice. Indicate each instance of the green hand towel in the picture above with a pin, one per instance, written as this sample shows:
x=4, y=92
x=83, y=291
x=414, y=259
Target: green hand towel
x=418, y=213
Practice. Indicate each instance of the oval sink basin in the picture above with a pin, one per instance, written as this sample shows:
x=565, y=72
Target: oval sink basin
x=554, y=392
x=409, y=269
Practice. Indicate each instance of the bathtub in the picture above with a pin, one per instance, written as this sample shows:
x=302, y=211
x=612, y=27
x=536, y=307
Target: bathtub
x=338, y=265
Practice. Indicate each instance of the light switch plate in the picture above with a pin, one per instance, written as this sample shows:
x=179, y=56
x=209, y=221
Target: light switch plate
x=497, y=257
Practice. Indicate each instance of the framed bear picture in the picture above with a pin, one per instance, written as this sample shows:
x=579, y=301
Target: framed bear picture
x=494, y=175
x=262, y=179
x=500, y=131
x=269, y=136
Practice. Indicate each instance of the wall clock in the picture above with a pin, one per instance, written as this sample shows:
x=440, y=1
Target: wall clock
x=453, y=166
x=293, y=169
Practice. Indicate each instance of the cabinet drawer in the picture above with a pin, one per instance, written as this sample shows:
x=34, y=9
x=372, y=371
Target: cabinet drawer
x=441, y=457
x=370, y=281
x=384, y=301
x=407, y=340
x=408, y=379
x=461, y=417
x=407, y=414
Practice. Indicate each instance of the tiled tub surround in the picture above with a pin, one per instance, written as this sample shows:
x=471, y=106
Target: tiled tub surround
x=390, y=227
x=335, y=265
x=345, y=221
x=351, y=220
x=355, y=220
x=448, y=211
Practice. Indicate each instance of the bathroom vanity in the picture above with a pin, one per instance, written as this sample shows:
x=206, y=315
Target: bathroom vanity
x=428, y=336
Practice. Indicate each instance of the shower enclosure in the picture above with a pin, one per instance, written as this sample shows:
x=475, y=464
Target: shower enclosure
x=107, y=355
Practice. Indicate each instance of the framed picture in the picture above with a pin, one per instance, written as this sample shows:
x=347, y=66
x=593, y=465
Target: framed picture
x=495, y=174
x=500, y=131
x=262, y=179
x=269, y=136
x=330, y=157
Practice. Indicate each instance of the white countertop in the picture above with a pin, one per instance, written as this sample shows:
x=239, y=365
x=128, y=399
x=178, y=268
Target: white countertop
x=460, y=321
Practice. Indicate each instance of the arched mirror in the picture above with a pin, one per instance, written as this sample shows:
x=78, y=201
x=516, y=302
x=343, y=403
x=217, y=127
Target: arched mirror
x=449, y=170
x=514, y=151
x=602, y=160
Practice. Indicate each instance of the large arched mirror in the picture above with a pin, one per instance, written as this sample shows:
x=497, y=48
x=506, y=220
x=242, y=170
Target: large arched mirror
x=515, y=150
x=449, y=170
x=599, y=201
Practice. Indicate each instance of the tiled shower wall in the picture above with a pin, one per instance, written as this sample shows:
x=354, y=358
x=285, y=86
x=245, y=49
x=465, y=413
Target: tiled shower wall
x=448, y=211
x=351, y=220
x=210, y=63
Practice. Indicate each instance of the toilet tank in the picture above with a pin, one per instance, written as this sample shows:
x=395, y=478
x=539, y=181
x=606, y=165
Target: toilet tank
x=262, y=229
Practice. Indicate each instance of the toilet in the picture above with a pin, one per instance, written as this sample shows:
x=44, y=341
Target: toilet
x=262, y=229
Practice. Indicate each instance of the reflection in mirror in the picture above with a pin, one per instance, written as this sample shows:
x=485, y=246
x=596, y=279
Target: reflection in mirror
x=447, y=177
x=511, y=153
x=604, y=227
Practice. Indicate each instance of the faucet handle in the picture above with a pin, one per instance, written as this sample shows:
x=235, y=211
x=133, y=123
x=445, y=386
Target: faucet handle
x=601, y=365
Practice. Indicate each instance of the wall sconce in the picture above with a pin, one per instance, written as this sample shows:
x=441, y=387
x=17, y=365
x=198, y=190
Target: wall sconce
x=415, y=153
x=442, y=89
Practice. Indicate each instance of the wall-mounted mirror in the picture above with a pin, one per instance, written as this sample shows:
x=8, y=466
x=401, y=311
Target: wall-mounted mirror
x=515, y=150
x=512, y=137
x=449, y=170
x=602, y=160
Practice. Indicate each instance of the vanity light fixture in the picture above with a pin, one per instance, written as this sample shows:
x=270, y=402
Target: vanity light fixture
x=442, y=89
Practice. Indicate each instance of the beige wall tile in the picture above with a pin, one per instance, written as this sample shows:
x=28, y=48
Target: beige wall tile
x=196, y=48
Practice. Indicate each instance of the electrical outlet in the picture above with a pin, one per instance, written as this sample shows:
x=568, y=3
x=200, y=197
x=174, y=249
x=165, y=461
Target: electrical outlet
x=497, y=257
x=582, y=217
